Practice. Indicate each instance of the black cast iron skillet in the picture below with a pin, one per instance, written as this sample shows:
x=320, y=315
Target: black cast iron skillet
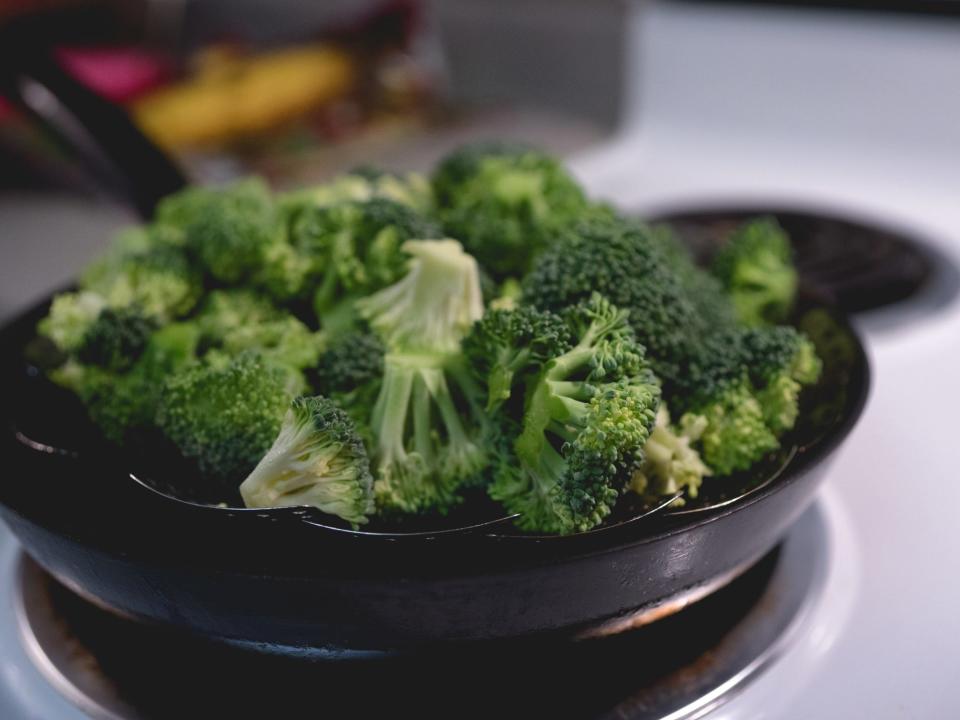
x=291, y=580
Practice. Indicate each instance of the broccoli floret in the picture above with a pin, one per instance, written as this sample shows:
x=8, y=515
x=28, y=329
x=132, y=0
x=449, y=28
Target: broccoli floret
x=70, y=316
x=508, y=343
x=349, y=372
x=116, y=339
x=178, y=211
x=756, y=268
x=715, y=389
x=620, y=261
x=781, y=361
x=123, y=406
x=426, y=421
x=319, y=460
x=508, y=295
x=505, y=203
x=356, y=250
x=587, y=416
x=224, y=418
x=160, y=280
x=231, y=232
x=671, y=464
x=224, y=311
x=705, y=292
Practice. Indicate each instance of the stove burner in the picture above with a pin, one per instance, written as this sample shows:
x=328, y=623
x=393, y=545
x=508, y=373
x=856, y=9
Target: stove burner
x=678, y=667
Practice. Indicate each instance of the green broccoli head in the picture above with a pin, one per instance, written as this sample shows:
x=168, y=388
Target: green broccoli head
x=356, y=250
x=159, y=280
x=349, y=372
x=69, y=318
x=317, y=460
x=586, y=418
x=505, y=203
x=224, y=417
x=620, y=261
x=116, y=339
x=671, y=463
x=505, y=344
x=781, y=361
x=426, y=420
x=756, y=268
x=123, y=406
x=232, y=230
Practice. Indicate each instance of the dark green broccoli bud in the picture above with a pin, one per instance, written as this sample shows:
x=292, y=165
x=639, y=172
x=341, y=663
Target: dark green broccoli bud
x=705, y=292
x=671, y=464
x=587, y=416
x=317, y=460
x=224, y=418
x=781, y=360
x=123, y=406
x=160, y=280
x=756, y=268
x=350, y=368
x=620, y=261
x=426, y=422
x=70, y=316
x=505, y=203
x=117, y=339
x=508, y=343
x=232, y=232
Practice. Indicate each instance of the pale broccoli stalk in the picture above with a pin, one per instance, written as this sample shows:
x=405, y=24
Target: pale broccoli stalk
x=426, y=420
x=317, y=460
x=670, y=464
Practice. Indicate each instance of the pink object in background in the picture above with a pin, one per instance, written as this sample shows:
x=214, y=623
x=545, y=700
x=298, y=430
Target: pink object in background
x=119, y=74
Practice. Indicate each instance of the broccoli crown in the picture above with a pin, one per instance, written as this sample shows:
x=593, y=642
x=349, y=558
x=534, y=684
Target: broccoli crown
x=705, y=292
x=353, y=361
x=508, y=343
x=181, y=209
x=284, y=272
x=734, y=433
x=233, y=229
x=284, y=340
x=433, y=306
x=160, y=280
x=116, y=339
x=426, y=420
x=587, y=416
x=225, y=311
x=671, y=464
x=317, y=460
x=781, y=360
x=356, y=249
x=505, y=203
x=756, y=268
x=70, y=316
x=224, y=417
x=123, y=406
x=619, y=260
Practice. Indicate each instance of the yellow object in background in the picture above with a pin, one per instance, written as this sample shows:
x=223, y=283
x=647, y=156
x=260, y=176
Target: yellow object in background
x=231, y=97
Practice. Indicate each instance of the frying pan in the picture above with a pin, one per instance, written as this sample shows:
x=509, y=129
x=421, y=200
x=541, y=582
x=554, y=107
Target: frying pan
x=279, y=581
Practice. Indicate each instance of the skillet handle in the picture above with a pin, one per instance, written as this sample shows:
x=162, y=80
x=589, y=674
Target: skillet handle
x=102, y=134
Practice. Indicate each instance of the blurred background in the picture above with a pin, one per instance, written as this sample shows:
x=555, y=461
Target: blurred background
x=657, y=104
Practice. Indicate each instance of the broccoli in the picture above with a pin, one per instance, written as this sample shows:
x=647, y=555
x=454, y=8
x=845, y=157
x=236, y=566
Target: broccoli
x=349, y=372
x=319, y=460
x=231, y=230
x=116, y=339
x=123, y=406
x=781, y=360
x=619, y=260
x=160, y=280
x=507, y=343
x=670, y=464
x=361, y=184
x=356, y=250
x=426, y=422
x=175, y=213
x=715, y=391
x=225, y=311
x=505, y=203
x=69, y=318
x=587, y=416
x=224, y=418
x=756, y=268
